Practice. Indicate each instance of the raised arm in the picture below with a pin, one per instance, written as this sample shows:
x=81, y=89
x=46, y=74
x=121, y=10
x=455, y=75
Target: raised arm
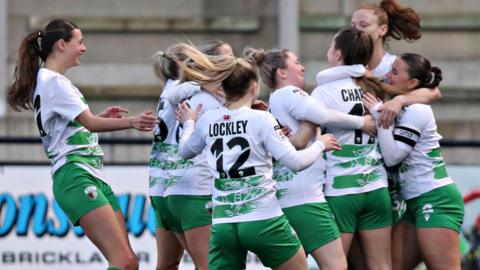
x=180, y=92
x=191, y=142
x=391, y=108
x=338, y=73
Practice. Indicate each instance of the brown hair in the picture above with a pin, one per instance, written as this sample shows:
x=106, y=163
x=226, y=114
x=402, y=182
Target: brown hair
x=403, y=22
x=235, y=74
x=35, y=47
x=267, y=62
x=356, y=47
x=421, y=69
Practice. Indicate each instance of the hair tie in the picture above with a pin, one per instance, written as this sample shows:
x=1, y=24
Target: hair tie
x=433, y=78
x=40, y=34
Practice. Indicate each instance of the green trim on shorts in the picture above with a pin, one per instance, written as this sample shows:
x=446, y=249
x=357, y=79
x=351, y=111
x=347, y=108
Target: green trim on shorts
x=364, y=211
x=190, y=211
x=314, y=223
x=78, y=192
x=441, y=207
x=273, y=240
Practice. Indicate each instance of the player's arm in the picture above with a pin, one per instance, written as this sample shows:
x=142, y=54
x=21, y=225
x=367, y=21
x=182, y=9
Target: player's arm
x=181, y=92
x=144, y=122
x=283, y=151
x=339, y=72
x=391, y=108
x=303, y=135
x=191, y=141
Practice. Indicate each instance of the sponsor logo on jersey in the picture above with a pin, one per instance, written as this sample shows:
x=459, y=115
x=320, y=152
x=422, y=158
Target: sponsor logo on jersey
x=427, y=211
x=91, y=192
x=300, y=92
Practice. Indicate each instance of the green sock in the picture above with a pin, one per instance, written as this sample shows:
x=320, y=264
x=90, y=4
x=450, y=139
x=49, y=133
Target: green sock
x=113, y=268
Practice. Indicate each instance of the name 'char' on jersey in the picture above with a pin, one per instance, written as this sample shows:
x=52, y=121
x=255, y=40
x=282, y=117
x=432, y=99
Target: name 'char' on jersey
x=354, y=94
x=227, y=128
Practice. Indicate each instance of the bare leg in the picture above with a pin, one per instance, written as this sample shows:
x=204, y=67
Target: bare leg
x=296, y=262
x=198, y=241
x=121, y=221
x=169, y=250
x=356, y=258
x=440, y=248
x=376, y=245
x=109, y=237
x=346, y=241
x=330, y=256
x=405, y=250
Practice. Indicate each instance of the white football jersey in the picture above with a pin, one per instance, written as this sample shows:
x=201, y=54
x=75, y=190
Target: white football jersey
x=287, y=105
x=57, y=103
x=240, y=144
x=166, y=165
x=358, y=166
x=423, y=169
x=197, y=178
x=385, y=65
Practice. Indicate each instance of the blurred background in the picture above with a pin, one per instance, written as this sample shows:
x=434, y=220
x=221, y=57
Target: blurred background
x=122, y=35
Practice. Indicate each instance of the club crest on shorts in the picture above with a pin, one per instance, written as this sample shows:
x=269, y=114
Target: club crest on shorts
x=427, y=210
x=91, y=192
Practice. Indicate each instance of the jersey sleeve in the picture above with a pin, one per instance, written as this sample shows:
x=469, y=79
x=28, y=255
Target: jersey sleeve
x=339, y=72
x=397, y=142
x=296, y=101
x=65, y=101
x=282, y=150
x=181, y=92
x=411, y=124
x=192, y=140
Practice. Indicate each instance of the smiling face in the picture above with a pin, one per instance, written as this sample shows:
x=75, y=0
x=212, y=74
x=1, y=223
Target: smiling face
x=399, y=77
x=294, y=70
x=366, y=20
x=74, y=48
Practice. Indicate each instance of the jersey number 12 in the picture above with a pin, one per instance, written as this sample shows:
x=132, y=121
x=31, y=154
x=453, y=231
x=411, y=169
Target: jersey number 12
x=235, y=171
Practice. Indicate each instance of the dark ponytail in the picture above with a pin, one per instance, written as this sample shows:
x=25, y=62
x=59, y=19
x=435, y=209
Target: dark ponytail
x=420, y=68
x=34, y=49
x=437, y=77
x=355, y=46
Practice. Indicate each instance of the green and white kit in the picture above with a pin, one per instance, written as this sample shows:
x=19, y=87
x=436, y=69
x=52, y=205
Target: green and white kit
x=57, y=103
x=240, y=144
x=166, y=166
x=357, y=167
